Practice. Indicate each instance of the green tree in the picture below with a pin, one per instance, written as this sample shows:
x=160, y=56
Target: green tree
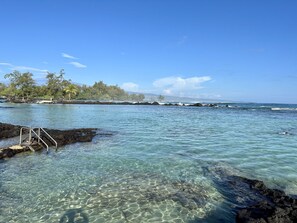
x=56, y=84
x=136, y=97
x=2, y=89
x=100, y=89
x=21, y=84
x=71, y=89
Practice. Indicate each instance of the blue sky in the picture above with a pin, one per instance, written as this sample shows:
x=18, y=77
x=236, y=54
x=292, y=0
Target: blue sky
x=236, y=50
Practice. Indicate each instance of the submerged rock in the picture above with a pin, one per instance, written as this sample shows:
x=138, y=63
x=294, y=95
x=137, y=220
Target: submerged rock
x=276, y=207
x=159, y=197
x=253, y=201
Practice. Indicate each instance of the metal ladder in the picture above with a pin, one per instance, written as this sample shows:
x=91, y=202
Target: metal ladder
x=31, y=133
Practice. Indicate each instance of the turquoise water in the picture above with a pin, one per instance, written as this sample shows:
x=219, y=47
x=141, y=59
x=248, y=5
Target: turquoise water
x=151, y=168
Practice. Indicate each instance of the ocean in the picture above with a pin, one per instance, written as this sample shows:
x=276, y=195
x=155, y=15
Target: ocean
x=152, y=166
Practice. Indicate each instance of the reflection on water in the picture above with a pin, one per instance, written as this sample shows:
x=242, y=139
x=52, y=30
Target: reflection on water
x=151, y=170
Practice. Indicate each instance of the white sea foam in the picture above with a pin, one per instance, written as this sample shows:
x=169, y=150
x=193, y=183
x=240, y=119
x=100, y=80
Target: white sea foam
x=284, y=109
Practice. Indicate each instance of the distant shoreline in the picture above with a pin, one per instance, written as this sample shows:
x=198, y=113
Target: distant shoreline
x=89, y=102
x=155, y=103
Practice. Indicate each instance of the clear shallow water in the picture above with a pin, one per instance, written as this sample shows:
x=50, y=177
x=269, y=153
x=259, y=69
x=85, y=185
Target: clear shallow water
x=151, y=169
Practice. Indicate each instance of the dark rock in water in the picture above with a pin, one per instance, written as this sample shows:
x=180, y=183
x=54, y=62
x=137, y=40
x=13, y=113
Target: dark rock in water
x=7, y=153
x=62, y=137
x=253, y=201
x=145, y=103
x=196, y=105
x=278, y=207
x=8, y=130
x=11, y=151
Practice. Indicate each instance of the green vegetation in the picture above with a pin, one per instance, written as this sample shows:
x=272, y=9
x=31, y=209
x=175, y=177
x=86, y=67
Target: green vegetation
x=23, y=87
x=161, y=98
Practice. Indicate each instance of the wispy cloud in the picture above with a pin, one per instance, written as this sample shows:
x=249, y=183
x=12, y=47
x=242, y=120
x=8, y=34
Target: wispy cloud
x=24, y=68
x=180, y=86
x=66, y=55
x=130, y=86
x=78, y=65
x=6, y=64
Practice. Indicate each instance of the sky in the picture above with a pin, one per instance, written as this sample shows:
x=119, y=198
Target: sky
x=239, y=50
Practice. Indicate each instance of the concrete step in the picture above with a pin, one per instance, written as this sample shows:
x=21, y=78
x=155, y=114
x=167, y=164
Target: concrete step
x=17, y=147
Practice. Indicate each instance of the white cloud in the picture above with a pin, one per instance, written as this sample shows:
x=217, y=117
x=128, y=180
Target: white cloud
x=13, y=67
x=180, y=86
x=65, y=55
x=130, y=86
x=78, y=65
x=24, y=68
x=6, y=64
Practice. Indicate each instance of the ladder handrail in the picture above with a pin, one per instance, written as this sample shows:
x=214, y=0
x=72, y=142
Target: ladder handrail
x=40, y=139
x=31, y=130
x=50, y=137
x=21, y=133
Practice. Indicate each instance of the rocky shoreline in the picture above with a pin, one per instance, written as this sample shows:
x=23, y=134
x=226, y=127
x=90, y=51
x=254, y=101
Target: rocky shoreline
x=135, y=103
x=63, y=137
x=89, y=102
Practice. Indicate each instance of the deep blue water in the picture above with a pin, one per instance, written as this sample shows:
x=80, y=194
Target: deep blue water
x=151, y=166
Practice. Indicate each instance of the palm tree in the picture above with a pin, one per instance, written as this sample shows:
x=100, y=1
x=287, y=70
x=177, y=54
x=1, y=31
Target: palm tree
x=71, y=89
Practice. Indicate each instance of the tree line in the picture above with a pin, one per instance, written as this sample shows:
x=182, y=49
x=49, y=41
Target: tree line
x=22, y=86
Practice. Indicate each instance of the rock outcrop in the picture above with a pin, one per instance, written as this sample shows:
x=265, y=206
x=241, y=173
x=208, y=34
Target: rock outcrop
x=8, y=130
x=277, y=207
x=63, y=137
x=253, y=201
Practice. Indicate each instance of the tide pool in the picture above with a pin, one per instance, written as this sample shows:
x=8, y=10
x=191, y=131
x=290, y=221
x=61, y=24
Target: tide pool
x=152, y=168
